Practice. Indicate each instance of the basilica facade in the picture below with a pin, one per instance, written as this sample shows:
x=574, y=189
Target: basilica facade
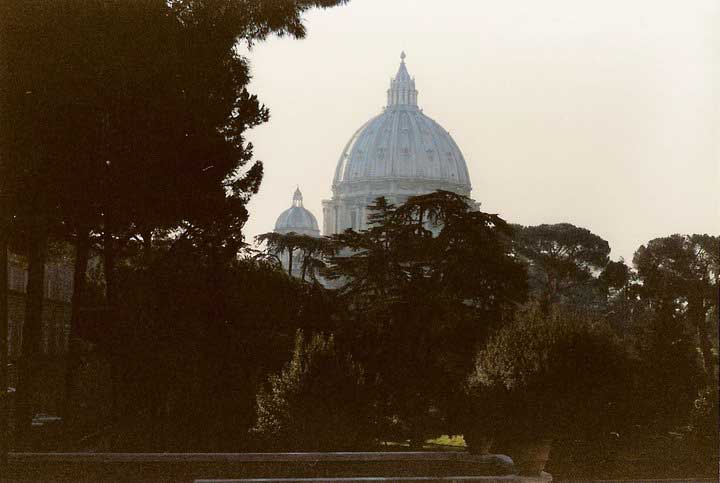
x=399, y=153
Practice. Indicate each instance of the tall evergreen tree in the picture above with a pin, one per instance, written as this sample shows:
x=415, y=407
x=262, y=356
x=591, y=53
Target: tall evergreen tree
x=681, y=272
x=123, y=118
x=425, y=282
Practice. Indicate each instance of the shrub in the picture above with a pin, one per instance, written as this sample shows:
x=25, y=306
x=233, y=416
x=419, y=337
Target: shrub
x=670, y=371
x=703, y=437
x=316, y=402
x=545, y=376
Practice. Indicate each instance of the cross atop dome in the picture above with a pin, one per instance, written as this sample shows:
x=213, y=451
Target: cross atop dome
x=402, y=90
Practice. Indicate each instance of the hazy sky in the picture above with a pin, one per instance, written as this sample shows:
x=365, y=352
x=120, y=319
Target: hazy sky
x=604, y=114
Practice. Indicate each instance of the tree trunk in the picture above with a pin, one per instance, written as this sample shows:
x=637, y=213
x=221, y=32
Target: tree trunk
x=290, y=261
x=698, y=315
x=4, y=401
x=111, y=318
x=304, y=265
x=147, y=243
x=31, y=333
x=82, y=255
x=109, y=259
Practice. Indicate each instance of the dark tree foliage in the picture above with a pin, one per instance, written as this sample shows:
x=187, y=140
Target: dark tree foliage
x=250, y=21
x=615, y=276
x=564, y=261
x=318, y=401
x=310, y=251
x=423, y=284
x=625, y=307
x=679, y=273
x=125, y=120
x=556, y=376
x=704, y=426
x=196, y=342
x=670, y=373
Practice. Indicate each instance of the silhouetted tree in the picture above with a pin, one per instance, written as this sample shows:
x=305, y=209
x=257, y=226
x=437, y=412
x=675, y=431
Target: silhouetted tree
x=312, y=251
x=4, y=402
x=424, y=282
x=679, y=273
x=196, y=341
x=26, y=174
x=564, y=260
x=670, y=373
x=625, y=308
x=279, y=244
x=121, y=128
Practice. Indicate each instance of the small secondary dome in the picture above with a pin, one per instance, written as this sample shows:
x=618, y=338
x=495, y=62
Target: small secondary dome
x=297, y=219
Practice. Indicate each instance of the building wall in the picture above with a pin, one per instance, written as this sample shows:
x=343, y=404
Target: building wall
x=50, y=381
x=56, y=309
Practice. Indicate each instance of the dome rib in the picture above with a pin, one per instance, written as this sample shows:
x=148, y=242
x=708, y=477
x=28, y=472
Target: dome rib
x=343, y=161
x=377, y=145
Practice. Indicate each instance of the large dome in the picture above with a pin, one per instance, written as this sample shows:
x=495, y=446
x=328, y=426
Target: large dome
x=397, y=154
x=402, y=143
x=297, y=219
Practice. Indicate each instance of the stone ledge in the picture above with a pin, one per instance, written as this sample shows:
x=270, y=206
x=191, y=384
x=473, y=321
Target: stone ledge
x=341, y=466
x=544, y=478
x=247, y=457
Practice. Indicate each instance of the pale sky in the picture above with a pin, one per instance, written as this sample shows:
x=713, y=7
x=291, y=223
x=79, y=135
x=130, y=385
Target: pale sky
x=604, y=114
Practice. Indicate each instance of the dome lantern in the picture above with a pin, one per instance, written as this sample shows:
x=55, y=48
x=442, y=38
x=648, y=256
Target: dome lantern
x=402, y=90
x=298, y=197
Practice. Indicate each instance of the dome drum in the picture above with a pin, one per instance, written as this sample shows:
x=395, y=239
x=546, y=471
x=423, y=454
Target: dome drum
x=373, y=188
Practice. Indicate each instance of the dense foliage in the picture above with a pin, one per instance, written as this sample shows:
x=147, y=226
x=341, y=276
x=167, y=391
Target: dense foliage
x=425, y=282
x=125, y=121
x=318, y=401
x=550, y=376
x=196, y=342
x=563, y=262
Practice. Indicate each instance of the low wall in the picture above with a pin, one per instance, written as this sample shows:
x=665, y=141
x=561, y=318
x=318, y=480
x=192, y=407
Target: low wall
x=393, y=466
